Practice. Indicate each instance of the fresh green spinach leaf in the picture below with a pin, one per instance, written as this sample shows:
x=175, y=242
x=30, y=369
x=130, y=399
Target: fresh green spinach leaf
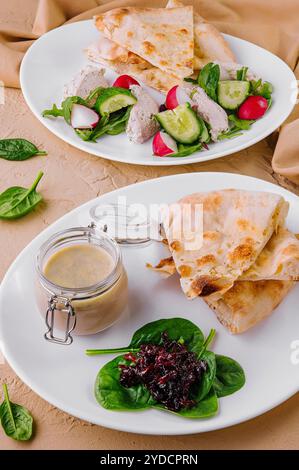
x=230, y=376
x=18, y=149
x=66, y=108
x=16, y=201
x=15, y=419
x=258, y=87
x=208, y=79
x=177, y=329
x=205, y=408
x=231, y=134
x=242, y=124
x=184, y=150
x=113, y=396
x=241, y=74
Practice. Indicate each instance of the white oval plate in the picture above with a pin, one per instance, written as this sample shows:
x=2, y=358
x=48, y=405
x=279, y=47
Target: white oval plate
x=64, y=375
x=57, y=56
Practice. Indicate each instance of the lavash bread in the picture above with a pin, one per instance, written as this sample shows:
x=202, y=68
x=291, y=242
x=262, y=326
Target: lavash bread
x=236, y=226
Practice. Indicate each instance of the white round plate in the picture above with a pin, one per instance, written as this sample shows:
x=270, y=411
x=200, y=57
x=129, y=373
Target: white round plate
x=57, y=56
x=64, y=375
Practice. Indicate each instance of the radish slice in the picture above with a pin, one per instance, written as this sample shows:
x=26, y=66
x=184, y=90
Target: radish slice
x=83, y=117
x=163, y=144
x=175, y=97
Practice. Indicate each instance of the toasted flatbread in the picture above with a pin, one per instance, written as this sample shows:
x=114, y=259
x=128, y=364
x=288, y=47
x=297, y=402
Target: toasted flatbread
x=163, y=37
x=137, y=67
x=278, y=260
x=236, y=227
x=209, y=44
x=248, y=302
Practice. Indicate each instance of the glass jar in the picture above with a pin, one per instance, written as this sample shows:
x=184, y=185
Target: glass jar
x=87, y=310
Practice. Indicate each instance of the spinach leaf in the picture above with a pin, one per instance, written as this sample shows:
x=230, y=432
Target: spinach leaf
x=113, y=396
x=243, y=124
x=112, y=124
x=66, y=108
x=261, y=88
x=191, y=80
x=16, y=201
x=184, y=150
x=18, y=149
x=230, y=376
x=15, y=419
x=205, y=408
x=208, y=79
x=231, y=134
x=208, y=377
x=241, y=74
x=178, y=329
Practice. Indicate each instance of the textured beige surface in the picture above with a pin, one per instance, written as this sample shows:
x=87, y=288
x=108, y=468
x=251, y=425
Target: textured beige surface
x=71, y=178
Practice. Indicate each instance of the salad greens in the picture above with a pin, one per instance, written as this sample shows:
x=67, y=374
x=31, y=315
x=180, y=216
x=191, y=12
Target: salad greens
x=18, y=149
x=223, y=376
x=16, y=201
x=241, y=74
x=208, y=79
x=15, y=419
x=112, y=124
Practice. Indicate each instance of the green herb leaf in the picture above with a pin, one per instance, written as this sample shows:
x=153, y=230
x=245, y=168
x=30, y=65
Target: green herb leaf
x=113, y=396
x=66, y=108
x=184, y=150
x=18, y=149
x=231, y=134
x=208, y=79
x=230, y=376
x=177, y=329
x=261, y=88
x=112, y=124
x=191, y=80
x=242, y=124
x=16, y=201
x=241, y=74
x=15, y=419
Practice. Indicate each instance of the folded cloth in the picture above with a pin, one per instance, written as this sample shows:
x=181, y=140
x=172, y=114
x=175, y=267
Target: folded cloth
x=270, y=24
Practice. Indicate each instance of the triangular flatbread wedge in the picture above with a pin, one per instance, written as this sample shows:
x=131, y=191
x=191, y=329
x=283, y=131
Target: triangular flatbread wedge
x=209, y=44
x=236, y=227
x=163, y=37
x=134, y=65
x=278, y=260
x=248, y=302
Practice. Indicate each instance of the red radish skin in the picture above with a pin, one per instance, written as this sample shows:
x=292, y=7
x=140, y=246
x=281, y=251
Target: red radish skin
x=83, y=117
x=175, y=97
x=125, y=81
x=254, y=107
x=163, y=144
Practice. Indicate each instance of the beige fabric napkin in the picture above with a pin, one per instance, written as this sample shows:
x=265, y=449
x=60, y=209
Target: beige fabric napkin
x=270, y=23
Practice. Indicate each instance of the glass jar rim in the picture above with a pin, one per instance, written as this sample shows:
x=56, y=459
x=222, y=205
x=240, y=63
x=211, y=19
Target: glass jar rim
x=79, y=292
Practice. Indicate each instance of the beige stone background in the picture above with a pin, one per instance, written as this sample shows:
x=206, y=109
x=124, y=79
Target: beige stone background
x=72, y=178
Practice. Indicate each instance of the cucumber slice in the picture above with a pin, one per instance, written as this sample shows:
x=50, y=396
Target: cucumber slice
x=112, y=99
x=181, y=123
x=232, y=93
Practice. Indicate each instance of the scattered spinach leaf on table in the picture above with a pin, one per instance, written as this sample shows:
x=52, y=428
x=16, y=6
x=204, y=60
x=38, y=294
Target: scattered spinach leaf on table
x=18, y=149
x=16, y=201
x=15, y=419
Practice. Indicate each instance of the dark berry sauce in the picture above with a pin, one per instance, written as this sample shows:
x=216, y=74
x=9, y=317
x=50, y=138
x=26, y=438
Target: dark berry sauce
x=168, y=371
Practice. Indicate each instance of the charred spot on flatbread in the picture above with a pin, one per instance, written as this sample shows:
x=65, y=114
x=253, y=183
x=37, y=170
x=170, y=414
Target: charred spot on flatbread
x=184, y=270
x=204, y=285
x=206, y=259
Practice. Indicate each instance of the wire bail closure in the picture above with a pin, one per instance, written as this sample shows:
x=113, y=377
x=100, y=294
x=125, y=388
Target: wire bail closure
x=50, y=320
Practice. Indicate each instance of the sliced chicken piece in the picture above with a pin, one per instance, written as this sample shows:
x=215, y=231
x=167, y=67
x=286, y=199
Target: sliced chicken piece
x=207, y=109
x=228, y=71
x=89, y=78
x=142, y=124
